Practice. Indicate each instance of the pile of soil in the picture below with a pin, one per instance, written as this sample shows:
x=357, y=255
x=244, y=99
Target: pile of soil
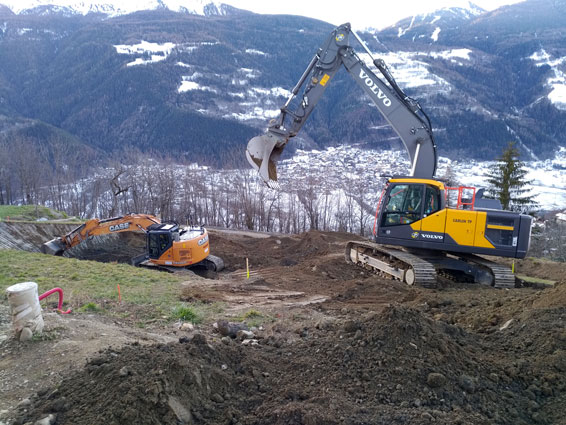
x=394, y=367
x=276, y=250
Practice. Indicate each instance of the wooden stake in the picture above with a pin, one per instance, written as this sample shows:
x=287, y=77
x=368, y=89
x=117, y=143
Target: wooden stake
x=247, y=268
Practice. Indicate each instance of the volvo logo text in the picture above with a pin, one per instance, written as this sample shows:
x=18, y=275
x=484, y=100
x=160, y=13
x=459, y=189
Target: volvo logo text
x=374, y=89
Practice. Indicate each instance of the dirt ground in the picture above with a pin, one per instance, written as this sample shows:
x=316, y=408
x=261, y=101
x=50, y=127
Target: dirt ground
x=340, y=346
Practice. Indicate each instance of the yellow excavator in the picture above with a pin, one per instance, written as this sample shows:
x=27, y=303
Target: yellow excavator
x=420, y=231
x=168, y=246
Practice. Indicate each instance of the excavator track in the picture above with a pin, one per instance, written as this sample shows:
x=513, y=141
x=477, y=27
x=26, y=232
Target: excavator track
x=503, y=276
x=211, y=263
x=214, y=263
x=394, y=262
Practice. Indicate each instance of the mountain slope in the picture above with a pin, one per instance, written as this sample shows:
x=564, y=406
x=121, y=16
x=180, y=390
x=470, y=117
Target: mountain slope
x=199, y=87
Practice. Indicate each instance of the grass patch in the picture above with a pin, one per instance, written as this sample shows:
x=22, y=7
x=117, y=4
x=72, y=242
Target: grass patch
x=197, y=312
x=89, y=308
x=254, y=318
x=85, y=282
x=29, y=212
x=537, y=280
x=186, y=313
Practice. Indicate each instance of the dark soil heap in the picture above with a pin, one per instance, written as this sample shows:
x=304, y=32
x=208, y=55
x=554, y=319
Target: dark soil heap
x=396, y=367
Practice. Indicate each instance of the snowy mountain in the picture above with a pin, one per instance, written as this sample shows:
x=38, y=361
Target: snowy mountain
x=116, y=7
x=199, y=84
x=429, y=26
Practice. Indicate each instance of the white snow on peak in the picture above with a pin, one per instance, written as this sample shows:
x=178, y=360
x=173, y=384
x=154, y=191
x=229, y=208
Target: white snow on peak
x=557, y=82
x=117, y=7
x=402, y=31
x=469, y=8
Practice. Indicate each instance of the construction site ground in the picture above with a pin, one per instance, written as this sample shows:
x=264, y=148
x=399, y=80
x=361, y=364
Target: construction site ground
x=332, y=344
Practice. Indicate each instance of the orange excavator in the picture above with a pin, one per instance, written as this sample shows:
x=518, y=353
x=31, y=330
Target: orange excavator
x=166, y=246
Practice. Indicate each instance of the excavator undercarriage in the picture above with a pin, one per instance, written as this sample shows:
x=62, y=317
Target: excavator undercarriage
x=424, y=268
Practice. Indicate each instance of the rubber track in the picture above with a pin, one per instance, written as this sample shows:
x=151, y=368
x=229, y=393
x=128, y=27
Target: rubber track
x=425, y=273
x=503, y=277
x=217, y=262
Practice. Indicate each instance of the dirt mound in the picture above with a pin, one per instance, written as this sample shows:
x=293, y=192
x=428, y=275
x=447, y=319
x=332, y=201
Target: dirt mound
x=552, y=297
x=389, y=368
x=272, y=251
x=166, y=383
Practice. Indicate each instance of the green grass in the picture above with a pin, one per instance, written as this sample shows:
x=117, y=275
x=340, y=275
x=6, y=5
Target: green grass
x=196, y=312
x=530, y=279
x=89, y=307
x=254, y=318
x=90, y=283
x=186, y=313
x=29, y=213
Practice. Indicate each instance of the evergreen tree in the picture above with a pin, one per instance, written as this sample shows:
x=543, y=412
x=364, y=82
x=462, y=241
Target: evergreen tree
x=507, y=181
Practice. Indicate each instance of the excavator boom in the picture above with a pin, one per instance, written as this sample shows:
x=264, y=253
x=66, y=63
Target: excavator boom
x=97, y=227
x=403, y=113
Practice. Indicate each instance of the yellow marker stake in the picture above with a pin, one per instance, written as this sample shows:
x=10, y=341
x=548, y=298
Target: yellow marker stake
x=513, y=267
x=247, y=268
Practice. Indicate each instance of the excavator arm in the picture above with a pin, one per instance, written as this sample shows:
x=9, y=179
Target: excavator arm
x=402, y=113
x=96, y=227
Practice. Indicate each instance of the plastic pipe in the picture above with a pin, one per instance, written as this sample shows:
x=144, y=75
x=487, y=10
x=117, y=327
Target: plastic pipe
x=60, y=292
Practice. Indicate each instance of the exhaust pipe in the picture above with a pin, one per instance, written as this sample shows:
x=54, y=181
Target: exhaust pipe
x=262, y=153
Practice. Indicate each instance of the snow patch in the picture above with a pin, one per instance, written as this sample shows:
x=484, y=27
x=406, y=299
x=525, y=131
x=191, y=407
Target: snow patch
x=157, y=52
x=434, y=35
x=557, y=82
x=256, y=113
x=250, y=73
x=256, y=52
x=409, y=72
x=188, y=83
x=402, y=31
x=452, y=55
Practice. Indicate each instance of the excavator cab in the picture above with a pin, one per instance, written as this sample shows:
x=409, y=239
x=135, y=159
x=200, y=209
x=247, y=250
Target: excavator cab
x=408, y=202
x=417, y=213
x=160, y=238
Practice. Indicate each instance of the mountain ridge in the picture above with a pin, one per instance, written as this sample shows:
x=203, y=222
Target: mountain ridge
x=198, y=87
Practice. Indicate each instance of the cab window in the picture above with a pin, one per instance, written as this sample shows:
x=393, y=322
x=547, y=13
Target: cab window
x=404, y=204
x=432, y=200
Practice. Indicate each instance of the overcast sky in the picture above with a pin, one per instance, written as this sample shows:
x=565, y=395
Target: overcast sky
x=360, y=13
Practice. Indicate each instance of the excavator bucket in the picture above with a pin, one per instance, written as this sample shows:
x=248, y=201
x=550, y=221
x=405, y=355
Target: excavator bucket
x=53, y=247
x=262, y=153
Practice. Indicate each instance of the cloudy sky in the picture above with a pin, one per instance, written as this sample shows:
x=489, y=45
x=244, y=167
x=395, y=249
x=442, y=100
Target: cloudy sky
x=360, y=13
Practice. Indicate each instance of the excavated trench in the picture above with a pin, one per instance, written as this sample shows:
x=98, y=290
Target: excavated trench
x=118, y=247
x=27, y=236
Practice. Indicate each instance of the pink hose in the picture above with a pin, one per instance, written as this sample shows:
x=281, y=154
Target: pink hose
x=60, y=291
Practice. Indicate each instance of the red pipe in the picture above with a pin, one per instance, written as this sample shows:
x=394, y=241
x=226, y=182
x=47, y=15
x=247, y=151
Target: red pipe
x=60, y=291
